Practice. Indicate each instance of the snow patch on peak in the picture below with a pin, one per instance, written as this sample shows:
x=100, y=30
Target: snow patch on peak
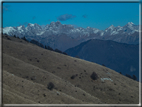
x=31, y=24
x=40, y=33
x=114, y=33
x=119, y=28
x=19, y=27
x=111, y=27
x=52, y=23
x=88, y=27
x=96, y=31
x=130, y=23
x=130, y=26
x=7, y=30
x=102, y=33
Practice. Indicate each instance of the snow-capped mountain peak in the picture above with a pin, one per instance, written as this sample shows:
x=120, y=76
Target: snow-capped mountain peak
x=55, y=24
x=130, y=28
x=58, y=23
x=119, y=28
x=33, y=26
x=130, y=24
x=21, y=28
x=37, y=26
x=9, y=30
x=30, y=24
x=111, y=27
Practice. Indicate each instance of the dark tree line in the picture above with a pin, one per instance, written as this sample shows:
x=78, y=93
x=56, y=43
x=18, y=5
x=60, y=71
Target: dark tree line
x=56, y=50
x=37, y=43
x=132, y=77
x=40, y=45
x=49, y=48
x=16, y=36
x=24, y=38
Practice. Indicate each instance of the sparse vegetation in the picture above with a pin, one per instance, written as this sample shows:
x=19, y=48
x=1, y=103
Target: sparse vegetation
x=24, y=38
x=44, y=95
x=57, y=50
x=18, y=37
x=94, y=76
x=127, y=75
x=132, y=77
x=49, y=48
x=8, y=38
x=73, y=76
x=103, y=65
x=33, y=78
x=50, y=86
x=37, y=43
x=45, y=47
x=65, y=53
x=58, y=68
x=14, y=36
x=77, y=56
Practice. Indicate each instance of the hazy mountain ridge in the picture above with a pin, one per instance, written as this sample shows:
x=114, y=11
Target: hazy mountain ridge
x=120, y=57
x=56, y=34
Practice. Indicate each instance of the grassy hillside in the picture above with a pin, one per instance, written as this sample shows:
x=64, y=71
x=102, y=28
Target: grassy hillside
x=28, y=70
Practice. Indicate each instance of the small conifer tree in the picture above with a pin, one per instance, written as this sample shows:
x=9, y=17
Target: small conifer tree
x=49, y=48
x=14, y=36
x=134, y=77
x=45, y=47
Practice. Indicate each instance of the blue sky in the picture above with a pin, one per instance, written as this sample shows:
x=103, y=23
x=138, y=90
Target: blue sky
x=97, y=15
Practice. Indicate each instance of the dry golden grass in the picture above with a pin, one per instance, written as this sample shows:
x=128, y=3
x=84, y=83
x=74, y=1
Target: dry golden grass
x=23, y=61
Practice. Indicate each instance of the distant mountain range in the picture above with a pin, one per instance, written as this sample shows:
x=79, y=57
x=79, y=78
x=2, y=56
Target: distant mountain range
x=120, y=57
x=63, y=37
